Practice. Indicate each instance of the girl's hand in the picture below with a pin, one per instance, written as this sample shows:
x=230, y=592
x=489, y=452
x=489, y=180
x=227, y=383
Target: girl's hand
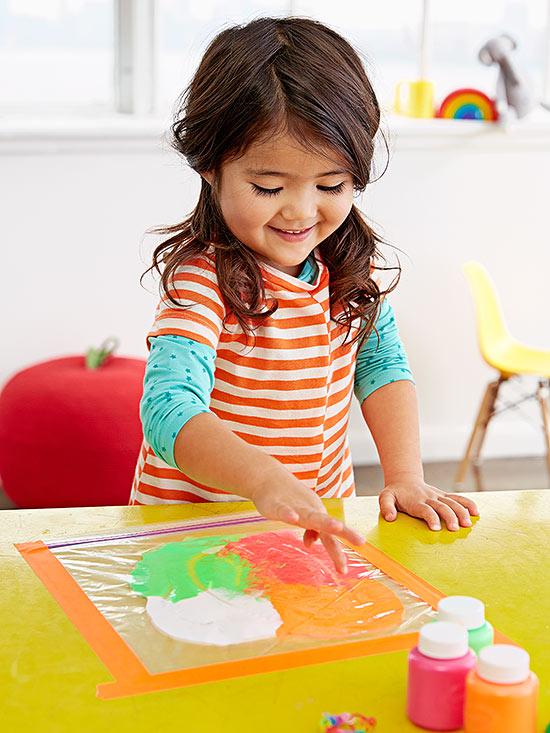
x=286, y=499
x=413, y=496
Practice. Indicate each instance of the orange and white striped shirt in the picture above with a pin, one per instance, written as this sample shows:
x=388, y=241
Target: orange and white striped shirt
x=289, y=394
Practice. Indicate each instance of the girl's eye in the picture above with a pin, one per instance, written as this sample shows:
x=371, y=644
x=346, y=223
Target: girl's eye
x=266, y=191
x=274, y=191
x=332, y=189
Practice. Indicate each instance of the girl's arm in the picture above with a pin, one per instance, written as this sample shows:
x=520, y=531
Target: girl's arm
x=391, y=413
x=178, y=381
x=209, y=452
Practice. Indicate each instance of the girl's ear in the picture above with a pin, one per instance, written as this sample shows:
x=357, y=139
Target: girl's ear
x=208, y=176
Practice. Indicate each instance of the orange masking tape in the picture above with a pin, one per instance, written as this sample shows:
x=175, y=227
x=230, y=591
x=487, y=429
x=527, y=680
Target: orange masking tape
x=133, y=678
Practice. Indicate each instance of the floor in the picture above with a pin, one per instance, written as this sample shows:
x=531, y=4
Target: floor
x=498, y=474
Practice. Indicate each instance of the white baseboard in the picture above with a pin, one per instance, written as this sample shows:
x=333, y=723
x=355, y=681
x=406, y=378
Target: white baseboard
x=504, y=440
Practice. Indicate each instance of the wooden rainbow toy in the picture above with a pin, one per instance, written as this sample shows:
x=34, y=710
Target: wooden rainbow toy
x=468, y=104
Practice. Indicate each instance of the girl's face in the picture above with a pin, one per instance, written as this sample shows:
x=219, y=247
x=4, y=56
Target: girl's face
x=279, y=187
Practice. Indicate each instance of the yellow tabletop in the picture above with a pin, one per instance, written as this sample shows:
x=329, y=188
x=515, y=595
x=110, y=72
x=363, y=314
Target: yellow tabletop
x=48, y=674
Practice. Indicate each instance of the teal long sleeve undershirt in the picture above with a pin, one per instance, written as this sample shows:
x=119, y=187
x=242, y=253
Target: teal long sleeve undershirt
x=179, y=376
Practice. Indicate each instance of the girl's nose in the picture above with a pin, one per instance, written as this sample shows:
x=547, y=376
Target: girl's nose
x=302, y=209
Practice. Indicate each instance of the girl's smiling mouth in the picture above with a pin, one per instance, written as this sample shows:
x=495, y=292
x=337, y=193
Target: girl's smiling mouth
x=292, y=235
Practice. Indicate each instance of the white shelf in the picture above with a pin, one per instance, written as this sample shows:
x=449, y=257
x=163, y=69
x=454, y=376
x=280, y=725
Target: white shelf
x=110, y=134
x=531, y=132
x=122, y=134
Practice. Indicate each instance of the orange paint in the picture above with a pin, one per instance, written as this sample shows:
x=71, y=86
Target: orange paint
x=335, y=612
x=492, y=707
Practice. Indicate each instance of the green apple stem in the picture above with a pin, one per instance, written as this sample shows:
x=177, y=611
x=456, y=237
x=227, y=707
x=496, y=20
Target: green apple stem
x=95, y=358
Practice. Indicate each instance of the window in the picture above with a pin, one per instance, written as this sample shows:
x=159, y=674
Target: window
x=458, y=31
x=186, y=28
x=106, y=56
x=56, y=55
x=388, y=34
x=384, y=32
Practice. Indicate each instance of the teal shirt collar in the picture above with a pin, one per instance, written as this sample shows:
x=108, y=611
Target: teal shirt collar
x=309, y=270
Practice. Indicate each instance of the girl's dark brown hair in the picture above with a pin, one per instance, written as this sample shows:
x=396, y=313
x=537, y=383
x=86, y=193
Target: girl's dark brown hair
x=271, y=76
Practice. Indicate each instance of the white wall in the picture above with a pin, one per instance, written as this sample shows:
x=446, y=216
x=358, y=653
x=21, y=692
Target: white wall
x=75, y=209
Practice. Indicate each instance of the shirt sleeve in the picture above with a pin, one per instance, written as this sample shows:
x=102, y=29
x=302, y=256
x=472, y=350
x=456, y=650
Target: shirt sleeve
x=199, y=312
x=182, y=343
x=380, y=362
x=179, y=378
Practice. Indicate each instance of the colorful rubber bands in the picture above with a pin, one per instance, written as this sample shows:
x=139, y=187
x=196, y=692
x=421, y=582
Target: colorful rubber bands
x=346, y=723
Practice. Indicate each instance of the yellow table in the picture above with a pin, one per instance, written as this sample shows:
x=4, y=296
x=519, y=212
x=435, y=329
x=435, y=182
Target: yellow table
x=49, y=674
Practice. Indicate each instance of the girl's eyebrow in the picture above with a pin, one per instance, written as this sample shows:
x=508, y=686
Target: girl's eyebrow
x=254, y=172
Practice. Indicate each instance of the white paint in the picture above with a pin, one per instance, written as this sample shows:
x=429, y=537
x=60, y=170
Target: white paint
x=215, y=617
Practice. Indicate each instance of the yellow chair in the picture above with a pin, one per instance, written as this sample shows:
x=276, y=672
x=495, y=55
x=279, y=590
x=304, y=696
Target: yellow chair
x=510, y=358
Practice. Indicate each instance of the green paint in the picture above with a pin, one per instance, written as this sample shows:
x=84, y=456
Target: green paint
x=181, y=570
x=478, y=638
x=481, y=637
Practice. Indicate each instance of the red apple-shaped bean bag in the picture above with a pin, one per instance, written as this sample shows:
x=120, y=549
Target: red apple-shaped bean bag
x=70, y=431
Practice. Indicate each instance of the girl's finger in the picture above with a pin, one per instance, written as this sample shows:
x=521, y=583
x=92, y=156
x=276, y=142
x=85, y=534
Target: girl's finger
x=334, y=549
x=351, y=536
x=388, y=510
x=425, y=512
x=310, y=536
x=284, y=513
x=320, y=521
x=445, y=512
x=461, y=512
x=470, y=505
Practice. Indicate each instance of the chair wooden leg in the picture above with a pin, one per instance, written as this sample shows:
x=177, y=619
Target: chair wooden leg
x=474, y=437
x=477, y=436
x=542, y=397
x=476, y=461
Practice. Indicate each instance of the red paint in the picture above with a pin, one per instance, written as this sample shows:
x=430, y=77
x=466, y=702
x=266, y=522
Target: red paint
x=282, y=556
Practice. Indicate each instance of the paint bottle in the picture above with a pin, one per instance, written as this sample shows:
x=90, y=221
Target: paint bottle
x=470, y=613
x=437, y=672
x=501, y=692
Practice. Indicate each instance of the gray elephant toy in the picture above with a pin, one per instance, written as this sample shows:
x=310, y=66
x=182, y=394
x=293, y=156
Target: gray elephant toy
x=514, y=92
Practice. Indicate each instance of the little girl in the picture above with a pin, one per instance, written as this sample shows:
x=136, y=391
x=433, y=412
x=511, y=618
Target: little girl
x=269, y=318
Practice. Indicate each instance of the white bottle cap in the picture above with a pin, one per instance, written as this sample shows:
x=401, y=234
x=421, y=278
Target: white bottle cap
x=463, y=610
x=443, y=640
x=503, y=663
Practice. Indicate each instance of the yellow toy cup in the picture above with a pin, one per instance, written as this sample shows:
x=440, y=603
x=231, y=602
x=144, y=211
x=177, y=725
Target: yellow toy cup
x=415, y=98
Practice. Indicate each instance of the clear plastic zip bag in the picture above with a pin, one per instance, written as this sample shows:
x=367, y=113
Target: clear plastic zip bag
x=229, y=595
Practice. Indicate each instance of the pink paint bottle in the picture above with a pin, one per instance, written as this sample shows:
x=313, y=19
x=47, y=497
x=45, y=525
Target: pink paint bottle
x=437, y=675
